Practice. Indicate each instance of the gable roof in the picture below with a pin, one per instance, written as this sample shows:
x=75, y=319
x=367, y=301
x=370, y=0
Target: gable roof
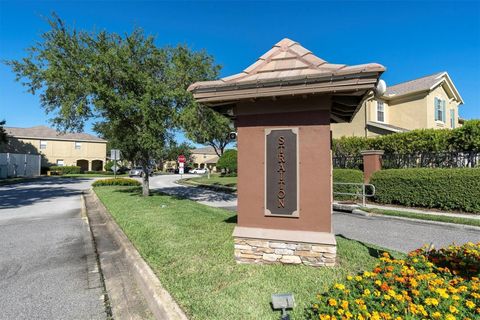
x=426, y=83
x=289, y=69
x=204, y=150
x=44, y=132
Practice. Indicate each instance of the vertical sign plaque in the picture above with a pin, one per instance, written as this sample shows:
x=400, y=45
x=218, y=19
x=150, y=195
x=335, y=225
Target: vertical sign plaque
x=281, y=172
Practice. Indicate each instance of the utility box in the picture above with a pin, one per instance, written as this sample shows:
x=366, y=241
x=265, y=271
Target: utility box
x=282, y=106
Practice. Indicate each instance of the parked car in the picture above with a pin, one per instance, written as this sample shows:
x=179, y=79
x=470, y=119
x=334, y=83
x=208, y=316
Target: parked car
x=138, y=172
x=198, y=171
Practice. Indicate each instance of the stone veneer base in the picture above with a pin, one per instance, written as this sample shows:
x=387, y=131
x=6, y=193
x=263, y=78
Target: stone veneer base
x=265, y=251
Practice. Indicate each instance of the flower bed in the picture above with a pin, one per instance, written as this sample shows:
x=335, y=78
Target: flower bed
x=428, y=284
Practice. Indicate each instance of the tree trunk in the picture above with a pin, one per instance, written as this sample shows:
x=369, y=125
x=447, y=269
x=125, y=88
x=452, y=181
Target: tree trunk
x=145, y=184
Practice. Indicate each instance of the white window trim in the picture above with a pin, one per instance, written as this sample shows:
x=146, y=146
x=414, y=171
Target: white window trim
x=444, y=116
x=452, y=119
x=384, y=112
x=79, y=145
x=44, y=144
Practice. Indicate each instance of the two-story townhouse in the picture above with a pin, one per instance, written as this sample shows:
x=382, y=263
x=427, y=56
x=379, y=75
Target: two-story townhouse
x=428, y=102
x=62, y=149
x=205, y=157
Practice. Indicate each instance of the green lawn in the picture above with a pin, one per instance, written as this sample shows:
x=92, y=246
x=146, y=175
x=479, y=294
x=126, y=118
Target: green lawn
x=215, y=180
x=428, y=217
x=190, y=248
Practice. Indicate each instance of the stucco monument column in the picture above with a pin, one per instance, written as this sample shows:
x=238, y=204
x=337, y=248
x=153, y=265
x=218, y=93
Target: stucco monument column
x=372, y=162
x=282, y=107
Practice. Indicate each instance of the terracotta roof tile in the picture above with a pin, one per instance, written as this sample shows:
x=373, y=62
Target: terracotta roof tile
x=287, y=55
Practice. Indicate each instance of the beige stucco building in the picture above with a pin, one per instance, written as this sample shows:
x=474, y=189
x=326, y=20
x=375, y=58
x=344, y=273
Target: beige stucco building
x=427, y=102
x=70, y=149
x=200, y=158
x=205, y=157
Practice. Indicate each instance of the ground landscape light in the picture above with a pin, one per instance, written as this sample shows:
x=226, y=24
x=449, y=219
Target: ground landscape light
x=283, y=301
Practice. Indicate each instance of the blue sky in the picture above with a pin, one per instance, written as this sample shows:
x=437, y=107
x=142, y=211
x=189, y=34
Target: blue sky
x=411, y=39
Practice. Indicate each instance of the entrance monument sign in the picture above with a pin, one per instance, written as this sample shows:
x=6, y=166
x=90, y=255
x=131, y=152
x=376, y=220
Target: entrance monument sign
x=282, y=106
x=281, y=172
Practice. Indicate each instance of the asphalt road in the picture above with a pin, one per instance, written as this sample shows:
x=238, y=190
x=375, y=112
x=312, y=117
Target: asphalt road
x=47, y=261
x=400, y=235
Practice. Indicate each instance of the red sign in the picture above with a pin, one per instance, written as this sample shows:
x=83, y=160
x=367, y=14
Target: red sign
x=181, y=158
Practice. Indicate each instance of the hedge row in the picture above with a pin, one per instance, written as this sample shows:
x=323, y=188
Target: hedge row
x=116, y=182
x=447, y=189
x=66, y=169
x=462, y=139
x=348, y=176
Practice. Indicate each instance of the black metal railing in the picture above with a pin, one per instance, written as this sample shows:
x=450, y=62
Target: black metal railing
x=432, y=160
x=348, y=162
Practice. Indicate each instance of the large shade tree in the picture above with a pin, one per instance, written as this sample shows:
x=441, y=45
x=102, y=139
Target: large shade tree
x=132, y=89
x=203, y=125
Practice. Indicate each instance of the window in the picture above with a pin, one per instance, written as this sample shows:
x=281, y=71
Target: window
x=78, y=145
x=452, y=118
x=380, y=111
x=439, y=110
x=43, y=144
x=60, y=163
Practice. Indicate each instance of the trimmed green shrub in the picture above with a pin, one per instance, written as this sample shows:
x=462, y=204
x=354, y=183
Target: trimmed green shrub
x=447, y=189
x=346, y=176
x=228, y=161
x=465, y=138
x=99, y=172
x=66, y=169
x=116, y=182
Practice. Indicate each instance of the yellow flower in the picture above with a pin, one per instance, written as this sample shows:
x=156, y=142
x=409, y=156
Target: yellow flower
x=324, y=317
x=332, y=302
x=431, y=301
x=339, y=286
x=436, y=315
x=450, y=317
x=455, y=297
x=349, y=278
x=340, y=311
x=366, y=292
x=453, y=309
x=358, y=278
x=378, y=282
x=344, y=304
x=470, y=304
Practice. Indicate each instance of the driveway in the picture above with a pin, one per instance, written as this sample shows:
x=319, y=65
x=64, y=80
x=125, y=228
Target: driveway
x=166, y=184
x=400, y=235
x=47, y=262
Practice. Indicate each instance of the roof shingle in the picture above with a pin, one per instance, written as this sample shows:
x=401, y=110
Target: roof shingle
x=420, y=84
x=43, y=132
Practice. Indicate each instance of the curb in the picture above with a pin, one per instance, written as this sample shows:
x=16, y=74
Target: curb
x=182, y=182
x=350, y=209
x=159, y=301
x=354, y=209
x=420, y=221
